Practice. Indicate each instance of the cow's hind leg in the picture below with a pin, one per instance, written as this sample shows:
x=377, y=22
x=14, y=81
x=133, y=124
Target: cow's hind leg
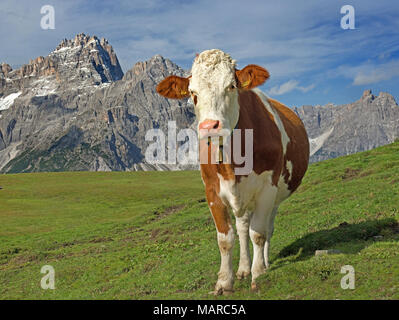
x=269, y=234
x=259, y=230
x=242, y=225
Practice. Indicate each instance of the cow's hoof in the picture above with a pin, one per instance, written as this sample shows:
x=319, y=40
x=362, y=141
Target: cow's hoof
x=223, y=287
x=221, y=291
x=254, y=286
x=242, y=274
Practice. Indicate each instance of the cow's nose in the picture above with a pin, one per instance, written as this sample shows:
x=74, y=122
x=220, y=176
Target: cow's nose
x=209, y=124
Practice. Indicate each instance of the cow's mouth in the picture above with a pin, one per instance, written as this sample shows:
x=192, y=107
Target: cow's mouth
x=205, y=134
x=219, y=145
x=212, y=133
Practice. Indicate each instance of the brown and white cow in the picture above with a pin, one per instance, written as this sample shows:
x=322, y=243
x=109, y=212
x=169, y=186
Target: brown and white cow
x=225, y=99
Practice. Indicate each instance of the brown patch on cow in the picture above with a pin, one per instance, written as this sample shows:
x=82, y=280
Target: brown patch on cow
x=298, y=146
x=174, y=87
x=259, y=239
x=251, y=76
x=267, y=147
x=219, y=211
x=225, y=246
x=209, y=173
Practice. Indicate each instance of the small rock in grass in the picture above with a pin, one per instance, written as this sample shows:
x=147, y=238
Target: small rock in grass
x=323, y=252
x=377, y=237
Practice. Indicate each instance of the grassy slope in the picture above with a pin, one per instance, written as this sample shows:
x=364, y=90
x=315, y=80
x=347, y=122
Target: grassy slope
x=149, y=235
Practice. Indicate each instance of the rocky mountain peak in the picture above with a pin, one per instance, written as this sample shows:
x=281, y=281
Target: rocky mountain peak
x=388, y=98
x=371, y=100
x=90, y=52
x=41, y=66
x=80, y=62
x=80, y=40
x=156, y=68
x=367, y=96
x=367, y=93
x=4, y=69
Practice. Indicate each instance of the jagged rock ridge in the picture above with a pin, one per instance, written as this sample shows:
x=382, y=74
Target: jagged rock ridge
x=365, y=124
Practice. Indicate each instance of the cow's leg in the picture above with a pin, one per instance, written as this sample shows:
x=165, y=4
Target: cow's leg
x=225, y=237
x=242, y=225
x=269, y=234
x=259, y=229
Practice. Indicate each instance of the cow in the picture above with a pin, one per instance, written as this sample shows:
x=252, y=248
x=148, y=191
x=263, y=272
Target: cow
x=225, y=99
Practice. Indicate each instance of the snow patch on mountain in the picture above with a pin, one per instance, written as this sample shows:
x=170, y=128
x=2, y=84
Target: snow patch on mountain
x=7, y=101
x=317, y=143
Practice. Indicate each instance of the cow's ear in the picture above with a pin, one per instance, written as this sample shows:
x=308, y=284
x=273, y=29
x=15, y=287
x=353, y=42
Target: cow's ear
x=174, y=87
x=251, y=76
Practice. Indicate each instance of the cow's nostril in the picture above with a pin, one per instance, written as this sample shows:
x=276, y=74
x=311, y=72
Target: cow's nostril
x=209, y=124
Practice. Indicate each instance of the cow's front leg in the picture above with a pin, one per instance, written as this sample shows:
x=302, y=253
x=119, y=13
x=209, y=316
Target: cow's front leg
x=225, y=281
x=225, y=237
x=242, y=225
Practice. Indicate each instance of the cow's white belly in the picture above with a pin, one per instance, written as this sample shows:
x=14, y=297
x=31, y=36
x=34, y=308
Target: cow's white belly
x=244, y=195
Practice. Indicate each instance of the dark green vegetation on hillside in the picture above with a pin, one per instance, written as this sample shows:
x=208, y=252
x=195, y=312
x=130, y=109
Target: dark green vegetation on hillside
x=146, y=235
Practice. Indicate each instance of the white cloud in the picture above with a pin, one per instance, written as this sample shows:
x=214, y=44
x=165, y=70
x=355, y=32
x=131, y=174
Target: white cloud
x=289, y=86
x=374, y=74
x=306, y=89
x=284, y=88
x=369, y=72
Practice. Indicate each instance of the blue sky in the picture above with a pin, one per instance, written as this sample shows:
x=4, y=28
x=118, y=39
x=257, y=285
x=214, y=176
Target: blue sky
x=311, y=59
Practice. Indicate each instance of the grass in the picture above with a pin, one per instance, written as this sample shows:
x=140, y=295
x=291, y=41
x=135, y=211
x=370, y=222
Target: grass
x=149, y=235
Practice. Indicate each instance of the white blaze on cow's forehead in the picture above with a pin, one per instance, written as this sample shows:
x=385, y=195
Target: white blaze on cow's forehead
x=212, y=70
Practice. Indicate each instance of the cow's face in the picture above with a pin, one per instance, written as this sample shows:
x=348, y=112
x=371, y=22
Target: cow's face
x=213, y=87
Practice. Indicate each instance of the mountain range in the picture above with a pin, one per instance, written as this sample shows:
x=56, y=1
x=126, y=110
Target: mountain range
x=76, y=110
x=338, y=130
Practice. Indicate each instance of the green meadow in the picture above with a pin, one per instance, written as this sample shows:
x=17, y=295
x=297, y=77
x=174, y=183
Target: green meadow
x=149, y=235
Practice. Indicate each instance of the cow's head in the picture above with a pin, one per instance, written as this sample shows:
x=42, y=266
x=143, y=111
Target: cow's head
x=213, y=87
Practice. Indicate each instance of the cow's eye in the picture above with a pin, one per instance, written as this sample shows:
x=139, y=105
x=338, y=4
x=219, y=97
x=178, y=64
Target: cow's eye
x=232, y=86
